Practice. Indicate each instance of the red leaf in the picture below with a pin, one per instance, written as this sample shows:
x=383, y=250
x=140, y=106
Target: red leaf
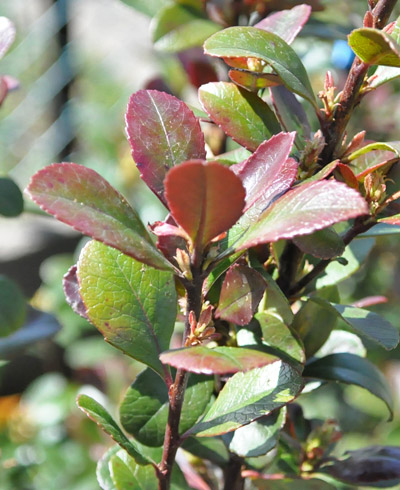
x=81, y=198
x=163, y=132
x=205, y=199
x=241, y=293
x=221, y=360
x=348, y=175
x=267, y=172
x=304, y=209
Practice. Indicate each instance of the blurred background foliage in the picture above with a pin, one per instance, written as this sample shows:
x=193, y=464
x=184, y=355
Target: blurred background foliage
x=77, y=62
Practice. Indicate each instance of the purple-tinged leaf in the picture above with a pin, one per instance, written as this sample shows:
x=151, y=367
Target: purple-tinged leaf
x=305, y=209
x=241, y=292
x=169, y=243
x=254, y=81
x=391, y=220
x=71, y=291
x=7, y=35
x=347, y=175
x=220, y=360
x=324, y=244
x=323, y=173
x=81, y=198
x=241, y=114
x=286, y=23
x=205, y=199
x=291, y=114
x=163, y=132
x=369, y=301
x=264, y=174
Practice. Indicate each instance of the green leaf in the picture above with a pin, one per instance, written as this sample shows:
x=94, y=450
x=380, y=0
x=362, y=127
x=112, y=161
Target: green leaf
x=12, y=307
x=147, y=7
x=257, y=438
x=211, y=448
x=293, y=484
x=125, y=473
x=248, y=396
x=103, y=472
x=11, y=200
x=280, y=337
x=241, y=293
x=250, y=42
x=253, y=81
x=177, y=27
x=324, y=244
x=218, y=360
x=144, y=410
x=385, y=74
x=351, y=369
x=133, y=305
x=393, y=146
x=381, y=229
x=375, y=47
x=241, y=114
x=104, y=420
x=341, y=341
x=81, y=198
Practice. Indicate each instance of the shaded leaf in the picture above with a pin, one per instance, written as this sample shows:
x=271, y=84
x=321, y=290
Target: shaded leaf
x=241, y=114
x=279, y=336
x=133, y=306
x=211, y=448
x=71, y=292
x=125, y=473
x=80, y=197
x=241, y=293
x=163, y=132
x=291, y=114
x=324, y=244
x=323, y=173
x=257, y=438
x=205, y=199
x=304, y=209
x=218, y=360
x=103, y=419
x=11, y=200
x=286, y=23
x=218, y=270
x=253, y=81
x=7, y=35
x=102, y=470
x=351, y=369
x=293, y=484
x=375, y=47
x=178, y=26
x=383, y=228
x=144, y=410
x=12, y=307
x=250, y=42
x=248, y=396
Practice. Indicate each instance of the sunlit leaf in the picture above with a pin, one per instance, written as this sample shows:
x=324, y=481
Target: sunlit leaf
x=162, y=132
x=241, y=114
x=205, y=199
x=11, y=200
x=71, y=291
x=125, y=473
x=250, y=42
x=133, y=306
x=80, y=197
x=103, y=472
x=375, y=47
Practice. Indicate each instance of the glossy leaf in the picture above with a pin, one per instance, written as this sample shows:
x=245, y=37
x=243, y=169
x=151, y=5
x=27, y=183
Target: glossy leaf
x=178, y=26
x=250, y=42
x=80, y=197
x=279, y=336
x=375, y=47
x=304, y=209
x=241, y=294
x=248, y=396
x=11, y=200
x=133, y=306
x=218, y=360
x=286, y=23
x=241, y=114
x=291, y=114
x=324, y=244
x=257, y=438
x=266, y=173
x=351, y=369
x=12, y=307
x=125, y=473
x=377, y=466
x=103, y=419
x=205, y=199
x=144, y=410
x=71, y=291
x=163, y=132
x=7, y=35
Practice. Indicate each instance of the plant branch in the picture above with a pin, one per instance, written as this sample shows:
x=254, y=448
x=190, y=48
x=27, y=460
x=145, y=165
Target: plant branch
x=233, y=474
x=351, y=94
x=288, y=266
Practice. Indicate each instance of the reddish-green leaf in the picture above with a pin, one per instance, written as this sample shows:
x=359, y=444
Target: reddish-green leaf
x=205, y=199
x=266, y=173
x=241, y=114
x=220, y=360
x=286, y=23
x=250, y=42
x=254, y=81
x=162, y=132
x=375, y=47
x=80, y=197
x=242, y=290
x=303, y=210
